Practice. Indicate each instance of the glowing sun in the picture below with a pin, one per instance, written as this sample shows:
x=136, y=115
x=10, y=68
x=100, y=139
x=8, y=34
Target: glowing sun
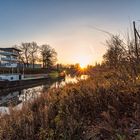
x=83, y=65
x=83, y=61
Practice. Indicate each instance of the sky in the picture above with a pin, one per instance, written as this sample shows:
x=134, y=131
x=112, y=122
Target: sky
x=69, y=26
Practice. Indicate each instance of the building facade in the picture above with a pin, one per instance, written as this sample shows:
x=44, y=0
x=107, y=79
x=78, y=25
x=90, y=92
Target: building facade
x=9, y=57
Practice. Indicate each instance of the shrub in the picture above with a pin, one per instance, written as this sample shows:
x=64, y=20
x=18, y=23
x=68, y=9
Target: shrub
x=96, y=108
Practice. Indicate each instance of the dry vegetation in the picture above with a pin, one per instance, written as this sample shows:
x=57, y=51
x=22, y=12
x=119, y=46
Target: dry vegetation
x=100, y=108
x=104, y=107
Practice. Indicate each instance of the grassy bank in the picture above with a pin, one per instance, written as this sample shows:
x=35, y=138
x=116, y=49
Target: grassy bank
x=102, y=108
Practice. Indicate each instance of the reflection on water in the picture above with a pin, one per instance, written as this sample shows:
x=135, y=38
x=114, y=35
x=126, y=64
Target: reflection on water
x=28, y=94
x=16, y=98
x=69, y=79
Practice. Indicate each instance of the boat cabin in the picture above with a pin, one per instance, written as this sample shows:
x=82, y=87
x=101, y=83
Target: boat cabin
x=10, y=77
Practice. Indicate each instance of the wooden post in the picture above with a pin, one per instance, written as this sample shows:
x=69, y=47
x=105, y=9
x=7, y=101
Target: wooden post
x=136, y=45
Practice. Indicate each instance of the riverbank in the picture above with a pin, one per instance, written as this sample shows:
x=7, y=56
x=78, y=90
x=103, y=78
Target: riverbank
x=96, y=108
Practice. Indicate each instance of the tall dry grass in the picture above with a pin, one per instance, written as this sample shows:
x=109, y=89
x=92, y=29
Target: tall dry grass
x=99, y=108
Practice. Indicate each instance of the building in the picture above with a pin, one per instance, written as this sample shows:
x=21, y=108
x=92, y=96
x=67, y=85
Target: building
x=9, y=57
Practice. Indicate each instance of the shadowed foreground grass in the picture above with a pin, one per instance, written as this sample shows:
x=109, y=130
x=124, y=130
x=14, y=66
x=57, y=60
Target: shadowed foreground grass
x=102, y=108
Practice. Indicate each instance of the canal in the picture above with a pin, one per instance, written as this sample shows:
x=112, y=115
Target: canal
x=16, y=98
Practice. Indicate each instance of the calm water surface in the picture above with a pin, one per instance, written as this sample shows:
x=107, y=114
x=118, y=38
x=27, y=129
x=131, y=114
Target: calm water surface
x=17, y=98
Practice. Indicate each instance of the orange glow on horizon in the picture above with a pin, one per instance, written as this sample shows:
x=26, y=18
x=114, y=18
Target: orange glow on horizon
x=82, y=65
x=83, y=61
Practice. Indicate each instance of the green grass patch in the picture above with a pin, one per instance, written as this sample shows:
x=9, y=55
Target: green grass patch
x=54, y=74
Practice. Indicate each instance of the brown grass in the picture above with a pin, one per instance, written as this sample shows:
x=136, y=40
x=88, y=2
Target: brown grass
x=100, y=108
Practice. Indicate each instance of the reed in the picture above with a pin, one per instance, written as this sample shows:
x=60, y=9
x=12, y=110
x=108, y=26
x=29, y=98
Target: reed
x=100, y=107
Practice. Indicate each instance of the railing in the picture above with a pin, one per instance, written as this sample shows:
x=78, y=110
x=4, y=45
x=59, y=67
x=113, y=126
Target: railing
x=8, y=59
x=8, y=53
x=8, y=65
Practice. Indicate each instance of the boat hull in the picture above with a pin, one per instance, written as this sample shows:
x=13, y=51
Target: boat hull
x=11, y=84
x=7, y=85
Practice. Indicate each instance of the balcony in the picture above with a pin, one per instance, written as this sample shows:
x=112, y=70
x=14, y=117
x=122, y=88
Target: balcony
x=8, y=59
x=8, y=65
x=8, y=53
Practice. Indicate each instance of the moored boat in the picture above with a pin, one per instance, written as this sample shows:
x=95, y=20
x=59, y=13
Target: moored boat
x=13, y=80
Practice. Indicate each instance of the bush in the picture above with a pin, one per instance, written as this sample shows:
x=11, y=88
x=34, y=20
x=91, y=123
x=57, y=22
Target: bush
x=96, y=108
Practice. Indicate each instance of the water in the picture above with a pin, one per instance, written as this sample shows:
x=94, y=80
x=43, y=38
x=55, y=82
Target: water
x=16, y=98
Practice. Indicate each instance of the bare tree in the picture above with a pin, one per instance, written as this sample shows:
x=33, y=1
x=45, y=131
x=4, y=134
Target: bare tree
x=116, y=52
x=122, y=56
x=24, y=54
x=48, y=56
x=33, y=52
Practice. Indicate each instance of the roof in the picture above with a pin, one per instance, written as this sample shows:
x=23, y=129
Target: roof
x=12, y=48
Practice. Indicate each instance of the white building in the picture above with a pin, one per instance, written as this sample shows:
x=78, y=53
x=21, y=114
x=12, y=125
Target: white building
x=9, y=57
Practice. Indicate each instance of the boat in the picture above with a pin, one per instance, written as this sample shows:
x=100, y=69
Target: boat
x=14, y=80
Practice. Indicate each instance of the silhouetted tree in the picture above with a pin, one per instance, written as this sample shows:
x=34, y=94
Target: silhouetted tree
x=48, y=56
x=24, y=54
x=122, y=56
x=116, y=52
x=33, y=52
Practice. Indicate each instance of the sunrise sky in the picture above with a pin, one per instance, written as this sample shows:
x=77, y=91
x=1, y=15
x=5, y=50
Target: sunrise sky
x=67, y=25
